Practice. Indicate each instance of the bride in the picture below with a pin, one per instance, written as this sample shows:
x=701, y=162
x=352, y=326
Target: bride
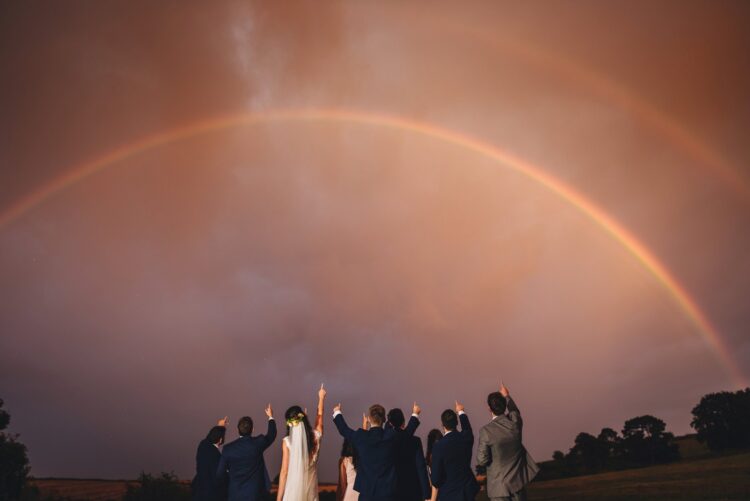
x=298, y=480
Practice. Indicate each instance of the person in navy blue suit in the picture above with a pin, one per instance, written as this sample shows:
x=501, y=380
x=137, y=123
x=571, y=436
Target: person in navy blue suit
x=377, y=448
x=411, y=470
x=242, y=460
x=451, y=459
x=207, y=484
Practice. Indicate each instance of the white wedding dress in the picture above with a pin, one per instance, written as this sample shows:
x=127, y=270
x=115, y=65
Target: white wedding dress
x=302, y=476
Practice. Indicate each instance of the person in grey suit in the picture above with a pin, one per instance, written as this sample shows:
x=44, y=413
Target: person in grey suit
x=509, y=467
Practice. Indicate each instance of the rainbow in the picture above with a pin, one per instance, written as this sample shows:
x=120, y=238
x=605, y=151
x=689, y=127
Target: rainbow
x=599, y=84
x=638, y=250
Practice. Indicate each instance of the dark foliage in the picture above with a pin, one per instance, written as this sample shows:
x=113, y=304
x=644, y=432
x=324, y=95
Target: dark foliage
x=165, y=487
x=645, y=442
x=14, y=463
x=722, y=420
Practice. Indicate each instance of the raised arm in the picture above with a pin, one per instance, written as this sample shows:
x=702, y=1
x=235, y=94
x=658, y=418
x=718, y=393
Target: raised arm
x=413, y=424
x=321, y=409
x=270, y=436
x=466, y=430
x=284, y=470
x=340, y=423
x=513, y=412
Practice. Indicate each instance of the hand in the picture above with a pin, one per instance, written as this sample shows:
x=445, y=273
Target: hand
x=365, y=422
x=223, y=422
x=503, y=390
x=269, y=411
x=459, y=407
x=337, y=407
x=416, y=409
x=322, y=392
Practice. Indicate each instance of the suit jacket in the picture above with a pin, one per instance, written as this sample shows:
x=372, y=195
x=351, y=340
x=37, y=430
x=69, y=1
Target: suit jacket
x=243, y=461
x=509, y=466
x=207, y=484
x=451, y=464
x=377, y=449
x=412, y=483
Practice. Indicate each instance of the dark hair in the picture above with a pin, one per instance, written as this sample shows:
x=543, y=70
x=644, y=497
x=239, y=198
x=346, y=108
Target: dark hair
x=216, y=434
x=245, y=426
x=432, y=438
x=377, y=414
x=449, y=419
x=497, y=403
x=296, y=412
x=396, y=418
x=348, y=451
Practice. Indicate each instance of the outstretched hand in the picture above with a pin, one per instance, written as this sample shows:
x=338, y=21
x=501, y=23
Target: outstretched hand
x=322, y=392
x=415, y=409
x=365, y=422
x=503, y=390
x=459, y=407
x=337, y=407
x=269, y=411
x=223, y=422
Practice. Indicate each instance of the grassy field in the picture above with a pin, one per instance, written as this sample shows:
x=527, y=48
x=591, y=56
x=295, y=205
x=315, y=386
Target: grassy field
x=714, y=478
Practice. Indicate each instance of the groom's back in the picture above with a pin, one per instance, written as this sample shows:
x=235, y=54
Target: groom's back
x=244, y=462
x=376, y=475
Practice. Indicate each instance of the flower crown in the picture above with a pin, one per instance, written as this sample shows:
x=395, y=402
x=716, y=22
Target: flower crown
x=295, y=420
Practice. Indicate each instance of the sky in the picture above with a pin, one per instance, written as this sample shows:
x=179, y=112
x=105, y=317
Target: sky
x=205, y=274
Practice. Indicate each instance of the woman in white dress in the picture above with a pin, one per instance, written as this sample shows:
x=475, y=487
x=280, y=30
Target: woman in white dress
x=298, y=480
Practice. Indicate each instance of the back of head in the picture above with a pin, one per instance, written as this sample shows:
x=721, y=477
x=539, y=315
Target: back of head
x=432, y=439
x=295, y=416
x=245, y=426
x=377, y=414
x=216, y=435
x=449, y=418
x=396, y=417
x=348, y=451
x=497, y=403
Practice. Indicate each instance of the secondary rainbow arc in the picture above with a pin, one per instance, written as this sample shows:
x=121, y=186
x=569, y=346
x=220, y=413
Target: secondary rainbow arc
x=619, y=233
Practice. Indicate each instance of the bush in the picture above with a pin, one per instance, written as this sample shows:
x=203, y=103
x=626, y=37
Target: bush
x=165, y=487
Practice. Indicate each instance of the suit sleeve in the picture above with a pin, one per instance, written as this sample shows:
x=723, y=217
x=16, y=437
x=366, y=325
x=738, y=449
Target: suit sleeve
x=271, y=435
x=221, y=470
x=466, y=430
x=412, y=426
x=424, y=481
x=438, y=471
x=484, y=453
x=513, y=412
x=343, y=428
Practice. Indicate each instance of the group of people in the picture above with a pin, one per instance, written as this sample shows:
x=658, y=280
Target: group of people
x=381, y=461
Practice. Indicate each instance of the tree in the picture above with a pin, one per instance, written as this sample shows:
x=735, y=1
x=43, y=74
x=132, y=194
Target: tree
x=589, y=452
x=645, y=441
x=722, y=420
x=14, y=463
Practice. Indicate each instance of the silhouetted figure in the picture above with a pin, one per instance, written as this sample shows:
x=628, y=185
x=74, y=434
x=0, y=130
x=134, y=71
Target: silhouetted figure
x=509, y=467
x=432, y=438
x=451, y=459
x=243, y=461
x=411, y=470
x=208, y=484
x=376, y=471
x=347, y=473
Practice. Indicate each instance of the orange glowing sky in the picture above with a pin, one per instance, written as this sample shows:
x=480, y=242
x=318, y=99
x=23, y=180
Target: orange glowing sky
x=205, y=208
